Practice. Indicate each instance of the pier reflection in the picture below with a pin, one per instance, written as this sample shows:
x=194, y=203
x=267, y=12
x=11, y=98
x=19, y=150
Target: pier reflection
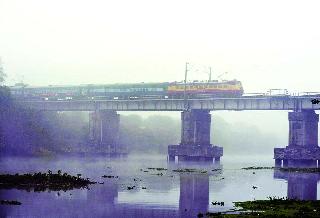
x=301, y=186
x=194, y=195
x=194, y=187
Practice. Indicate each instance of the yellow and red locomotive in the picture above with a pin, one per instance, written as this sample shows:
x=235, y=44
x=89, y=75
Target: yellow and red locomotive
x=232, y=88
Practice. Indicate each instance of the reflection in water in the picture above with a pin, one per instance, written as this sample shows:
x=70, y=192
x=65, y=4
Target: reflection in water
x=194, y=187
x=301, y=186
x=112, y=199
x=170, y=194
x=194, y=195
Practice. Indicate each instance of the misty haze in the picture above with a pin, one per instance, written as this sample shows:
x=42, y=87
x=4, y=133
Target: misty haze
x=159, y=108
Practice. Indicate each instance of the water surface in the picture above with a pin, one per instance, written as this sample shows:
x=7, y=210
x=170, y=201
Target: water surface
x=167, y=193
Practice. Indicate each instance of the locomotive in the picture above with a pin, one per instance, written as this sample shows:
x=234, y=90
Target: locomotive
x=164, y=90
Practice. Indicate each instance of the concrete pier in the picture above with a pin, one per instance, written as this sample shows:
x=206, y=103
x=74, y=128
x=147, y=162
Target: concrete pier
x=303, y=149
x=104, y=131
x=195, y=138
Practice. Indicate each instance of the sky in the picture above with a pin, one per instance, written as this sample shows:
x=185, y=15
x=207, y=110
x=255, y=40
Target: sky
x=264, y=44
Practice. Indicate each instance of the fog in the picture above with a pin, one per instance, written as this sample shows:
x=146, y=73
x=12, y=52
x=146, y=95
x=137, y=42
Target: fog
x=239, y=133
x=52, y=133
x=268, y=44
x=265, y=44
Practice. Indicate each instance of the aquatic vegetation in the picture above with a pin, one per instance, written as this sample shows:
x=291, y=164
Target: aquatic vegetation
x=186, y=170
x=258, y=168
x=130, y=187
x=300, y=170
x=158, y=168
x=6, y=202
x=218, y=203
x=136, y=180
x=278, y=207
x=158, y=174
x=43, y=181
x=273, y=207
x=285, y=169
x=106, y=176
x=189, y=170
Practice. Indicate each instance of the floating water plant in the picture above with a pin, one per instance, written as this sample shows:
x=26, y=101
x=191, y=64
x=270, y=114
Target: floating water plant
x=43, y=181
x=6, y=202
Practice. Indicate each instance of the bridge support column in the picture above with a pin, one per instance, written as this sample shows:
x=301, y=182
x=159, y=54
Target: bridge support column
x=104, y=131
x=303, y=149
x=195, y=138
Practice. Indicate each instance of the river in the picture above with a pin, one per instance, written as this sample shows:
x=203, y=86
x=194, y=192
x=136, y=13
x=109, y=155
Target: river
x=155, y=193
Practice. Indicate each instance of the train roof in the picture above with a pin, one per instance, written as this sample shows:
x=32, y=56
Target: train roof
x=95, y=85
x=122, y=85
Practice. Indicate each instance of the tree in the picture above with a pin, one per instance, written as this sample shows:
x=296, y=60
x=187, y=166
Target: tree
x=2, y=74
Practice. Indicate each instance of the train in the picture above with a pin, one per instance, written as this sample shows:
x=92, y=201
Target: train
x=163, y=90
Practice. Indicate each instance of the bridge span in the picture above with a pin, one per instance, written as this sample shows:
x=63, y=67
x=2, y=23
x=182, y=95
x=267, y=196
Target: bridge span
x=211, y=104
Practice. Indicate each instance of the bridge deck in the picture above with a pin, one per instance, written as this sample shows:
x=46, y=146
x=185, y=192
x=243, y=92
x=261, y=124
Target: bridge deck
x=243, y=103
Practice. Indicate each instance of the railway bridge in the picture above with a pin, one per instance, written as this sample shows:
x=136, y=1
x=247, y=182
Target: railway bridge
x=195, y=144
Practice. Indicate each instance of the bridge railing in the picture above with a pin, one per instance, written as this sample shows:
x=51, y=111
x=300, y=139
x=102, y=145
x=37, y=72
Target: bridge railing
x=243, y=103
